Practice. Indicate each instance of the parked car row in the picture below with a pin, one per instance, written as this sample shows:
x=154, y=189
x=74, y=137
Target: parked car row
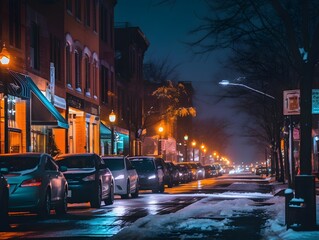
x=35, y=182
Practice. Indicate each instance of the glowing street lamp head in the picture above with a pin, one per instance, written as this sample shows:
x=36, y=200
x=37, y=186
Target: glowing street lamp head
x=4, y=56
x=186, y=137
x=193, y=143
x=112, y=117
x=224, y=82
x=161, y=129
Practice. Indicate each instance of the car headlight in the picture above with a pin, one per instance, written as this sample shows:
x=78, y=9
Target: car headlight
x=121, y=176
x=89, y=178
x=180, y=174
x=152, y=177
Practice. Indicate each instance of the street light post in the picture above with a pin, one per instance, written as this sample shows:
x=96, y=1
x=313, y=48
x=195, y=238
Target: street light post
x=159, y=144
x=112, y=118
x=5, y=60
x=193, y=145
x=185, y=145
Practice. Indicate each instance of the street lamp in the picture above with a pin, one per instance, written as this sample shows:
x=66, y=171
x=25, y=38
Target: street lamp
x=159, y=148
x=5, y=60
x=185, y=144
x=112, y=118
x=227, y=82
x=193, y=145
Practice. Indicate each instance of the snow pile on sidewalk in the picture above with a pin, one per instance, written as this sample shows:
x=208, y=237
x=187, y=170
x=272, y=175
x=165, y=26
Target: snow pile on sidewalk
x=210, y=214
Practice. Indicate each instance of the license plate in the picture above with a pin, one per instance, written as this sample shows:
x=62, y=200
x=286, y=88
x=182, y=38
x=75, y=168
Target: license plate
x=69, y=193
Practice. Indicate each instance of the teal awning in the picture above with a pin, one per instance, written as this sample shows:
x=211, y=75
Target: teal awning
x=105, y=132
x=42, y=110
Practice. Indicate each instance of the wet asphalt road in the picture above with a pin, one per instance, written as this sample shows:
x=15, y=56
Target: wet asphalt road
x=85, y=222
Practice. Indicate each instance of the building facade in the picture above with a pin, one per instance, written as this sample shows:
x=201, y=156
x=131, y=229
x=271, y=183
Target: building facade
x=56, y=91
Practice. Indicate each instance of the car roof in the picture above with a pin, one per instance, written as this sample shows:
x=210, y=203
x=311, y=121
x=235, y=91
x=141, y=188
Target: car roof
x=76, y=154
x=27, y=154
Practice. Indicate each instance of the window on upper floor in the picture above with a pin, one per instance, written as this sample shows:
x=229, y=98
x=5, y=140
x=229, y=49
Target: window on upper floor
x=55, y=56
x=69, y=5
x=104, y=20
x=68, y=65
x=94, y=80
x=15, y=23
x=78, y=10
x=87, y=16
x=87, y=75
x=95, y=14
x=35, y=46
x=104, y=84
x=77, y=68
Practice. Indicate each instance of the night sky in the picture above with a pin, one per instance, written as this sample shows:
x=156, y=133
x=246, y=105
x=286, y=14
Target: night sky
x=167, y=29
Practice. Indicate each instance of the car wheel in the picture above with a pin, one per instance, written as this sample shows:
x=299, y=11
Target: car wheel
x=162, y=188
x=110, y=198
x=170, y=183
x=97, y=198
x=62, y=207
x=45, y=207
x=137, y=190
x=128, y=186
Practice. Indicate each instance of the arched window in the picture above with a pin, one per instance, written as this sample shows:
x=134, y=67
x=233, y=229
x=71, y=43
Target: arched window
x=77, y=69
x=68, y=65
x=87, y=75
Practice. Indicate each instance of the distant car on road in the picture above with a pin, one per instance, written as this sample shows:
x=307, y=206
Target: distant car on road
x=125, y=176
x=88, y=177
x=36, y=183
x=260, y=170
x=4, y=202
x=150, y=170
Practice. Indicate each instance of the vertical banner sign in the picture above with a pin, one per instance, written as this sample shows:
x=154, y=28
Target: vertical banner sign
x=52, y=81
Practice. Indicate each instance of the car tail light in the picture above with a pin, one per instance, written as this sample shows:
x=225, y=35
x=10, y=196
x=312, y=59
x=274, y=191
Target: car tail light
x=34, y=182
x=89, y=178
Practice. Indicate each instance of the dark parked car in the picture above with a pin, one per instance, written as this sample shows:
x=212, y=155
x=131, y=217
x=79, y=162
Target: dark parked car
x=36, y=183
x=88, y=177
x=192, y=167
x=210, y=171
x=4, y=202
x=185, y=174
x=173, y=174
x=150, y=171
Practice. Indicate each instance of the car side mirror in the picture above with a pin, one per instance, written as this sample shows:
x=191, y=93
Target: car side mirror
x=4, y=170
x=159, y=167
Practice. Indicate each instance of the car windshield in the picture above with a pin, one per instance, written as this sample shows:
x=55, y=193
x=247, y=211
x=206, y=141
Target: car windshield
x=143, y=164
x=17, y=164
x=114, y=164
x=75, y=162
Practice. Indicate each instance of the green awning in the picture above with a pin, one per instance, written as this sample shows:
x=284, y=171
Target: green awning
x=42, y=110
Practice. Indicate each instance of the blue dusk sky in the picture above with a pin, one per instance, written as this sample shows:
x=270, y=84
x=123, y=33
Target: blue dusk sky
x=167, y=29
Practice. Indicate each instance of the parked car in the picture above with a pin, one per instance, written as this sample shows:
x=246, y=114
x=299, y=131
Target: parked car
x=185, y=174
x=201, y=170
x=173, y=174
x=193, y=168
x=260, y=170
x=210, y=171
x=150, y=170
x=125, y=176
x=88, y=177
x=4, y=202
x=36, y=183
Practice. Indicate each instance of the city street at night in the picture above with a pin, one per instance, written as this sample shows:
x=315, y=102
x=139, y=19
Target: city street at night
x=108, y=221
